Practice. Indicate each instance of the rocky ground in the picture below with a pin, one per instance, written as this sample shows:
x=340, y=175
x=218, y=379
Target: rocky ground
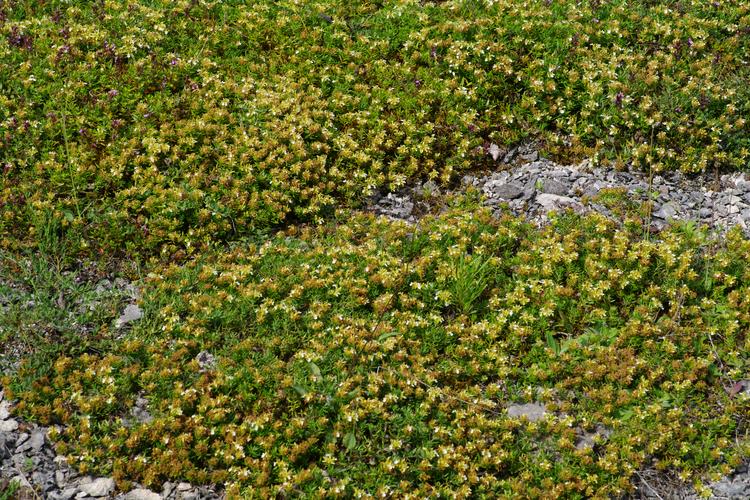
x=525, y=184
x=531, y=186
x=28, y=458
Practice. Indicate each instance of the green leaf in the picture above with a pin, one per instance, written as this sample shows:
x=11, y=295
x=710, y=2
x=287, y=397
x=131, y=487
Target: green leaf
x=350, y=441
x=387, y=336
x=552, y=342
x=300, y=390
x=314, y=369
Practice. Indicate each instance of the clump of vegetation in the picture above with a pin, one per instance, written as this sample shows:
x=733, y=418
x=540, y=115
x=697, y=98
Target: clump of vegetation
x=161, y=127
x=346, y=363
x=222, y=148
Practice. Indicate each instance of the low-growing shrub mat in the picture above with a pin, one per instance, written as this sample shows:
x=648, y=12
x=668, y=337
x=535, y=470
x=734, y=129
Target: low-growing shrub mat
x=373, y=356
x=158, y=127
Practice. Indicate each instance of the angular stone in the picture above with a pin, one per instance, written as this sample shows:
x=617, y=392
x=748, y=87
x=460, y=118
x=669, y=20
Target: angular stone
x=554, y=202
x=553, y=186
x=65, y=494
x=468, y=180
x=666, y=212
x=44, y=480
x=398, y=207
x=142, y=494
x=529, y=157
x=99, y=487
x=167, y=489
x=4, y=410
x=131, y=313
x=508, y=191
x=8, y=425
x=494, y=151
x=22, y=438
x=532, y=411
x=739, y=487
x=37, y=440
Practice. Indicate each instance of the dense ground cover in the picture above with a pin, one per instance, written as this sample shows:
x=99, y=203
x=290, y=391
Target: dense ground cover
x=206, y=146
x=375, y=356
x=164, y=126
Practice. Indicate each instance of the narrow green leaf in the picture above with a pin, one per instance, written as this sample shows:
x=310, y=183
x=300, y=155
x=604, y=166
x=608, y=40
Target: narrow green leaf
x=552, y=342
x=387, y=336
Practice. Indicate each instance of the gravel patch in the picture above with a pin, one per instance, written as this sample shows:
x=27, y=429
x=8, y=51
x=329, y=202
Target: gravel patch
x=537, y=187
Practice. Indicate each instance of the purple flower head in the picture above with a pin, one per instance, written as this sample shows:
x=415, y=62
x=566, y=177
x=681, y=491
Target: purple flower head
x=112, y=93
x=618, y=99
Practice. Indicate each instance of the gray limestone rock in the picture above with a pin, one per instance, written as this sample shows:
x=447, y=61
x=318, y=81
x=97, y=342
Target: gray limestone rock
x=99, y=487
x=8, y=425
x=556, y=187
x=392, y=205
x=494, y=151
x=504, y=191
x=468, y=180
x=43, y=479
x=554, y=202
x=4, y=410
x=139, y=413
x=131, y=313
x=167, y=489
x=22, y=438
x=531, y=411
x=183, y=487
x=529, y=156
x=65, y=494
x=37, y=441
x=668, y=211
x=142, y=494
